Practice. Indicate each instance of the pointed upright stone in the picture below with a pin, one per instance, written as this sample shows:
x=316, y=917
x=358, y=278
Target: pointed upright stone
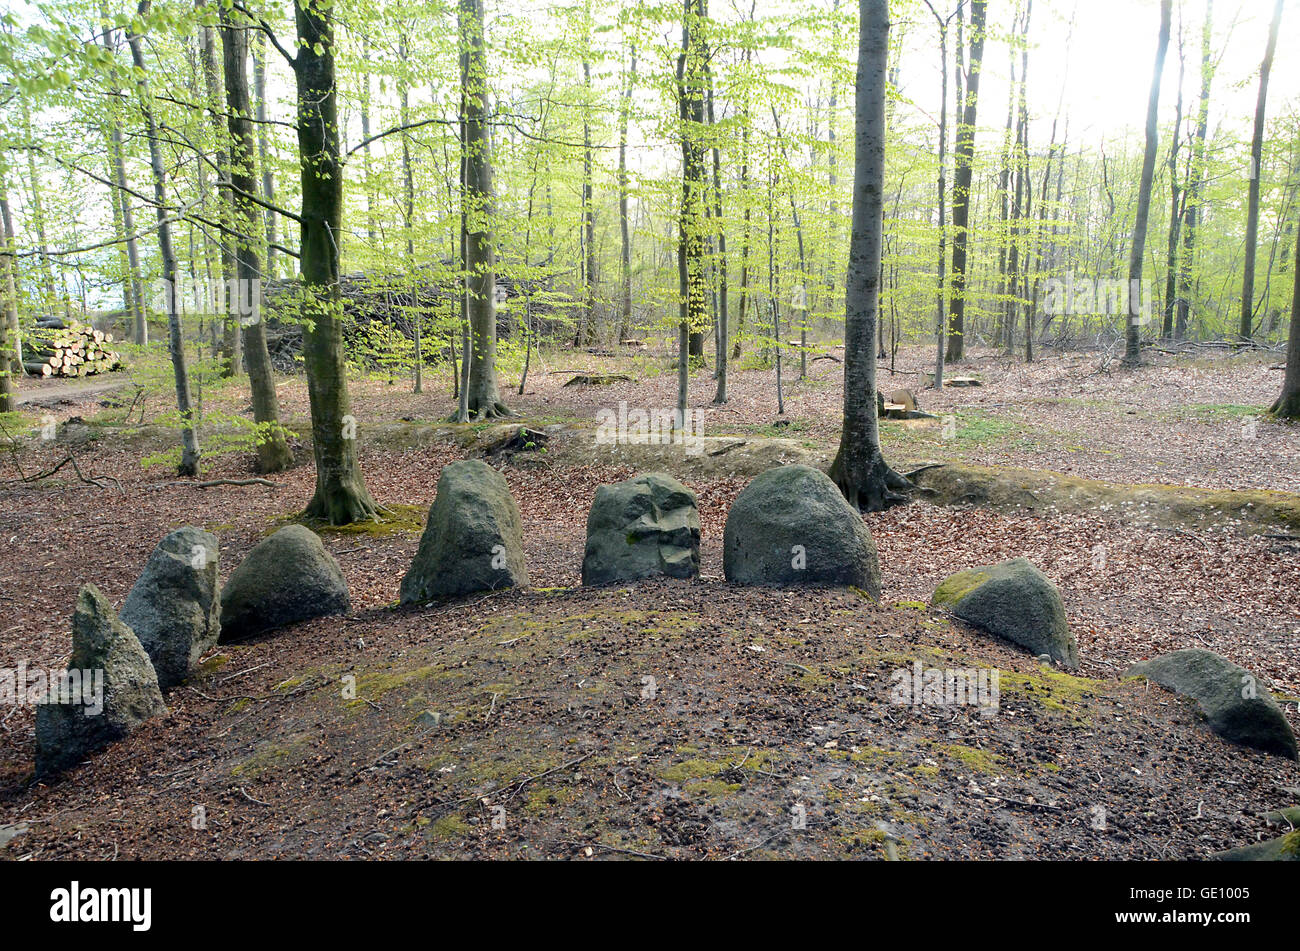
x=175, y=606
x=117, y=688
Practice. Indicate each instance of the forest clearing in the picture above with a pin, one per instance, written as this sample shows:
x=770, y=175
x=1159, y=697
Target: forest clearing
x=650, y=431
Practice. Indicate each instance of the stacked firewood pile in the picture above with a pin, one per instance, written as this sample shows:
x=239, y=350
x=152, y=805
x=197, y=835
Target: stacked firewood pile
x=59, y=348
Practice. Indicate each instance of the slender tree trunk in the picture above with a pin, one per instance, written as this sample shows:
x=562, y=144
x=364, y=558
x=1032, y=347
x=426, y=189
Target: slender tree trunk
x=263, y=147
x=480, y=258
x=859, y=468
x=1288, y=403
x=720, y=396
x=625, y=257
x=964, y=155
x=189, y=464
x=10, y=287
x=1196, y=178
x=231, y=342
x=1175, y=207
x=690, y=246
x=273, y=454
x=1132, y=342
x=408, y=216
x=341, y=496
x=1256, y=172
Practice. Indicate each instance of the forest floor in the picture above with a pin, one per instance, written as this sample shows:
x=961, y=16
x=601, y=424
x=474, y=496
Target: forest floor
x=522, y=723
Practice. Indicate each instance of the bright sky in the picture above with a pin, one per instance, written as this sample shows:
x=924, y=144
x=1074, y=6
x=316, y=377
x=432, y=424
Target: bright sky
x=1104, y=64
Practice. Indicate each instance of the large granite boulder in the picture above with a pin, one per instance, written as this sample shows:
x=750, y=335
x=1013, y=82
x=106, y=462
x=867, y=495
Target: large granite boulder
x=793, y=526
x=648, y=525
x=1234, y=702
x=175, y=606
x=286, y=578
x=111, y=688
x=473, y=540
x=1016, y=601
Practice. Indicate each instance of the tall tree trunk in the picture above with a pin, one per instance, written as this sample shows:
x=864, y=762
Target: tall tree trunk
x=588, y=330
x=37, y=215
x=478, y=197
x=690, y=245
x=10, y=286
x=231, y=344
x=1256, y=172
x=1196, y=178
x=964, y=156
x=625, y=257
x=859, y=468
x=941, y=282
x=1132, y=342
x=408, y=215
x=341, y=496
x=273, y=453
x=1288, y=403
x=1175, y=197
x=720, y=396
x=263, y=147
x=136, y=311
x=189, y=464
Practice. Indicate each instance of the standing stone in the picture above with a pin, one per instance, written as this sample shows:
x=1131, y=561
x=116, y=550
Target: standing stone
x=1016, y=601
x=793, y=526
x=175, y=606
x=286, y=578
x=473, y=540
x=1234, y=702
x=648, y=525
x=104, y=653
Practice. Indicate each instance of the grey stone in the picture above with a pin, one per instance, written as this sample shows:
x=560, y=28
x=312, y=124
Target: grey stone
x=286, y=578
x=648, y=525
x=175, y=606
x=66, y=732
x=793, y=526
x=1282, y=849
x=473, y=540
x=1235, y=703
x=1016, y=601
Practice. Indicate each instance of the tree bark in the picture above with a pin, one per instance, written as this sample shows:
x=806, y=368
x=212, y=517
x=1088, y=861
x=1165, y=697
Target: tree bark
x=341, y=496
x=1256, y=157
x=1132, y=341
x=690, y=244
x=964, y=157
x=189, y=464
x=273, y=454
x=1288, y=403
x=484, y=398
x=625, y=257
x=1196, y=178
x=859, y=468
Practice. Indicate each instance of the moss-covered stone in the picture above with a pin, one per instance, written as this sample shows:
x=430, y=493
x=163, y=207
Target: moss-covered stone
x=1013, y=600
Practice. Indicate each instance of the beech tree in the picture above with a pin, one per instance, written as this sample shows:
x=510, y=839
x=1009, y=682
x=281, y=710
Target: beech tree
x=859, y=468
x=1132, y=338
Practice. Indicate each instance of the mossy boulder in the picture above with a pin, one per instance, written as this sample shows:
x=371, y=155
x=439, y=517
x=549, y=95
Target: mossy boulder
x=286, y=578
x=115, y=688
x=473, y=540
x=1282, y=849
x=1015, y=601
x=174, y=608
x=645, y=526
x=1234, y=702
x=793, y=526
